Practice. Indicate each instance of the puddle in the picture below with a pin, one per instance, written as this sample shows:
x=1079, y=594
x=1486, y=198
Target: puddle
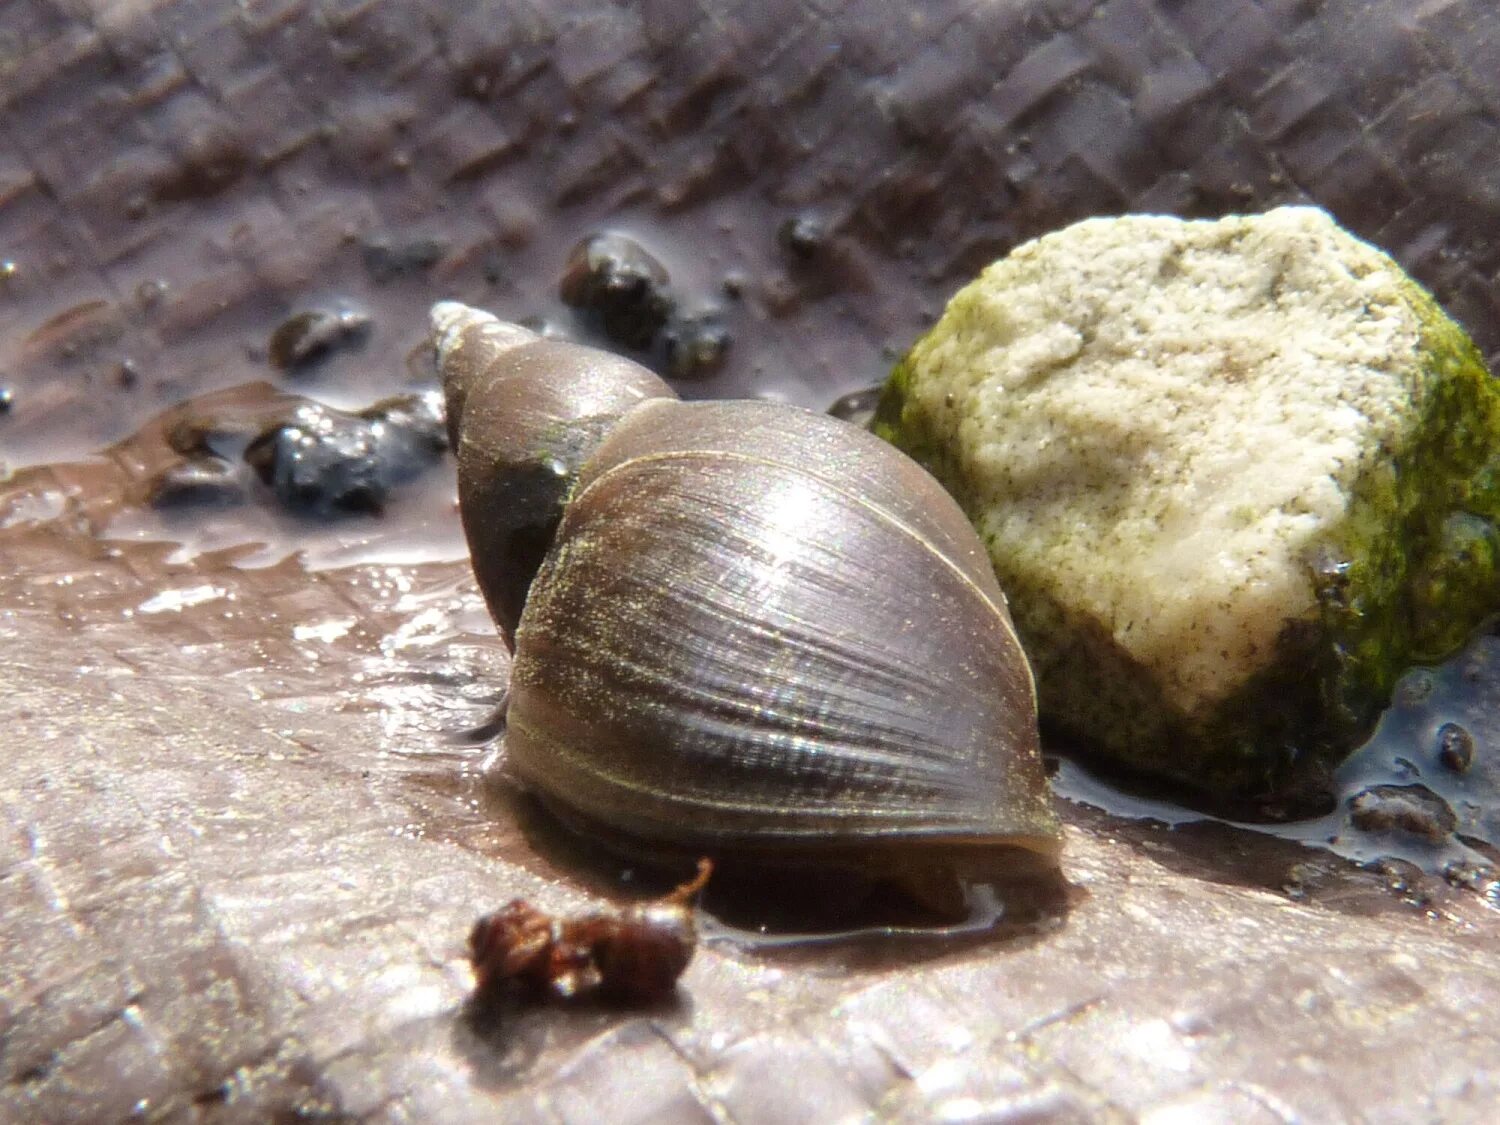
x=1424, y=790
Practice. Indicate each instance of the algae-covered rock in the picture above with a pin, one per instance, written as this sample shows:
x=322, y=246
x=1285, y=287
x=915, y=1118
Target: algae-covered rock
x=1234, y=476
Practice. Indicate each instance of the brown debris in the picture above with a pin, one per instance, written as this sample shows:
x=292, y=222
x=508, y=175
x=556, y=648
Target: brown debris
x=633, y=955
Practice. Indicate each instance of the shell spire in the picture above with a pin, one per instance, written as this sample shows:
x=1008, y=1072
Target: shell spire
x=524, y=414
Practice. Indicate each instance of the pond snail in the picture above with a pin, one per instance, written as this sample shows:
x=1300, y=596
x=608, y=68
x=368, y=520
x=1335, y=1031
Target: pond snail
x=739, y=627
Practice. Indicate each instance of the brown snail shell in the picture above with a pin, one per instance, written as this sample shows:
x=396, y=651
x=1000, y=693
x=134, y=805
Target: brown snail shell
x=756, y=627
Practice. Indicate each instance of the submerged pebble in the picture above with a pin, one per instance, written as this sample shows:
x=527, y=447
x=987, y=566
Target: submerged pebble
x=323, y=461
x=1439, y=738
x=1455, y=747
x=306, y=338
x=617, y=280
x=195, y=435
x=1412, y=809
x=695, y=345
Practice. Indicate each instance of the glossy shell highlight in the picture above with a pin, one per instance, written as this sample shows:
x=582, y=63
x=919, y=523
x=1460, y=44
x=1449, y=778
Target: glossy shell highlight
x=760, y=626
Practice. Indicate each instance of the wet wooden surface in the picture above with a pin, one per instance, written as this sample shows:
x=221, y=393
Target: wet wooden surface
x=242, y=849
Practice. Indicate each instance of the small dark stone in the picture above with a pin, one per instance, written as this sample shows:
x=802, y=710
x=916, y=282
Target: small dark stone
x=614, y=278
x=127, y=375
x=1455, y=747
x=198, y=481
x=324, y=461
x=1411, y=809
x=733, y=286
x=7, y=401
x=321, y=462
x=385, y=261
x=857, y=406
x=695, y=346
x=802, y=236
x=305, y=338
x=209, y=161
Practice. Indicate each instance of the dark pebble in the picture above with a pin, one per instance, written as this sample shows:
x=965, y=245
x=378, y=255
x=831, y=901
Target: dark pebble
x=321, y=462
x=7, y=401
x=198, y=481
x=802, y=236
x=857, y=406
x=616, y=279
x=305, y=338
x=1332, y=577
x=324, y=462
x=1455, y=747
x=1411, y=809
x=695, y=346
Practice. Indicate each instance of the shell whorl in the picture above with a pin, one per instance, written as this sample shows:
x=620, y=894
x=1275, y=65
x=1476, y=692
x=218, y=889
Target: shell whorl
x=734, y=623
x=730, y=649
x=524, y=413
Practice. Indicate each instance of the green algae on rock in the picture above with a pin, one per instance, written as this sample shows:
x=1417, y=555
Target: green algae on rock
x=1234, y=476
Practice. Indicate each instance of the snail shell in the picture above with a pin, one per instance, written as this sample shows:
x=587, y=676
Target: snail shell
x=755, y=627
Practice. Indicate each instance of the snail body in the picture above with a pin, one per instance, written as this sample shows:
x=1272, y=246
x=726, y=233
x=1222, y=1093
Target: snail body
x=754, y=628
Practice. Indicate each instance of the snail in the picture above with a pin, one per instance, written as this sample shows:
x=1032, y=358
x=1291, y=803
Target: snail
x=739, y=628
